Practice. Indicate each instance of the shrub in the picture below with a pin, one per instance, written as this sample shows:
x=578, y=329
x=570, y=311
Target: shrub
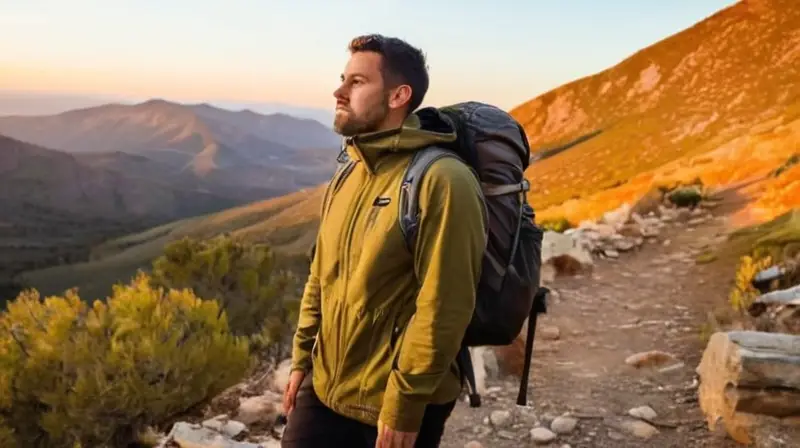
x=790, y=162
x=685, y=197
x=556, y=225
x=95, y=375
x=242, y=277
x=743, y=292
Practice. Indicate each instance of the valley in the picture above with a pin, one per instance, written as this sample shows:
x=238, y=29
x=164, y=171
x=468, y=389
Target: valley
x=78, y=179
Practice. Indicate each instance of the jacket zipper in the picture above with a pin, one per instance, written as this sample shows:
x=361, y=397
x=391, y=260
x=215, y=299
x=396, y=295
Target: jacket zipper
x=345, y=257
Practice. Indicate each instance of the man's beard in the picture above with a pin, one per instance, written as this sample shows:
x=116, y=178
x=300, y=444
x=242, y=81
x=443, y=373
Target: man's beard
x=348, y=125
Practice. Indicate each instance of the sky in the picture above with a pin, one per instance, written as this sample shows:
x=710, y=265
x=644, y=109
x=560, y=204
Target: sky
x=293, y=51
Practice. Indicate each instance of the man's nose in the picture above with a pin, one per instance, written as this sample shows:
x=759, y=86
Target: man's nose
x=340, y=93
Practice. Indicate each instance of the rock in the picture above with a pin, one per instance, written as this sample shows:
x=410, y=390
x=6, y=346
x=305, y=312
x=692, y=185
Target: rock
x=618, y=217
x=614, y=435
x=224, y=425
x=640, y=429
x=542, y=436
x=653, y=358
x=503, y=434
x=280, y=377
x=564, y=425
x=611, y=253
x=637, y=428
x=473, y=444
x=564, y=253
x=260, y=408
x=777, y=311
x=500, y=419
x=643, y=412
x=189, y=435
x=624, y=245
x=485, y=366
x=750, y=383
x=550, y=333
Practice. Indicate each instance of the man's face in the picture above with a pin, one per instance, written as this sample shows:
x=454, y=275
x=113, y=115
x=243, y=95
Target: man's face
x=362, y=100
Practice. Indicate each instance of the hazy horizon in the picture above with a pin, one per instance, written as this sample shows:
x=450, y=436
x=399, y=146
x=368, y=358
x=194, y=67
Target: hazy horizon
x=292, y=52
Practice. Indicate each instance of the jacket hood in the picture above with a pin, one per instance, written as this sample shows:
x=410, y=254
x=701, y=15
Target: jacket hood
x=422, y=128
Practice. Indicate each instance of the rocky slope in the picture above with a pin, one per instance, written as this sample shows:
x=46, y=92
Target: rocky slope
x=724, y=84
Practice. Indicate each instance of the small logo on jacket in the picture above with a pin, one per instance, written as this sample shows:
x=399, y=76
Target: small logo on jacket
x=381, y=201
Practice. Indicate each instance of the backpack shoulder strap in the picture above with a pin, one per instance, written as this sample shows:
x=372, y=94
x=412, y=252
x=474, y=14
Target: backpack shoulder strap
x=344, y=167
x=408, y=202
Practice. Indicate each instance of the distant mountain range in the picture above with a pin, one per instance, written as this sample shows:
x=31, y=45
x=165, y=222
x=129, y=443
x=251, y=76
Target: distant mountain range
x=17, y=102
x=242, y=155
x=77, y=178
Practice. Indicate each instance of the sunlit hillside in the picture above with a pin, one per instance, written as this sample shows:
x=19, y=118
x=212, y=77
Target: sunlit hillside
x=726, y=85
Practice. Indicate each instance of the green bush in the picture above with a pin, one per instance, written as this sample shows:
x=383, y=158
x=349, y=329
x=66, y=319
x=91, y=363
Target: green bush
x=78, y=374
x=685, y=197
x=556, y=225
x=243, y=277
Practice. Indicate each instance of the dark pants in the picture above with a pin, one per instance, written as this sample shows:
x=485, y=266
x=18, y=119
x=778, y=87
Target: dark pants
x=312, y=424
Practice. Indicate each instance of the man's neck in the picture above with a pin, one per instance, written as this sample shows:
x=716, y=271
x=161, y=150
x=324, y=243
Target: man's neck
x=392, y=121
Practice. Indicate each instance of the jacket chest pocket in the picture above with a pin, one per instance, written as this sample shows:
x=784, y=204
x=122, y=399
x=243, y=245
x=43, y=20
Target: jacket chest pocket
x=376, y=229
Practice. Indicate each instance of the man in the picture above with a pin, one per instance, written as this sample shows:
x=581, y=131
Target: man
x=380, y=324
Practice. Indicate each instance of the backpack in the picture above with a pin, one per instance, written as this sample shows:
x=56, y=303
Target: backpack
x=496, y=147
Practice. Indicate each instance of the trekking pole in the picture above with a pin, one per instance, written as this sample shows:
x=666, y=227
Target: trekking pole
x=539, y=306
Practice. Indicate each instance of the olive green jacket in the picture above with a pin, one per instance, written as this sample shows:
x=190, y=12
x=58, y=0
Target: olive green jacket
x=382, y=326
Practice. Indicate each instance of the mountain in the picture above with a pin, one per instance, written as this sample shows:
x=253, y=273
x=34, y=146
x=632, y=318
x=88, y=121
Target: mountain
x=17, y=102
x=697, y=99
x=55, y=206
x=719, y=102
x=242, y=155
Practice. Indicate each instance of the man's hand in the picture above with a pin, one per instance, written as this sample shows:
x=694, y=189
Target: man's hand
x=290, y=394
x=389, y=438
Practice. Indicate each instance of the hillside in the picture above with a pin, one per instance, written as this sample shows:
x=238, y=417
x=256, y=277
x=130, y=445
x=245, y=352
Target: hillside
x=287, y=223
x=722, y=85
x=55, y=206
x=242, y=155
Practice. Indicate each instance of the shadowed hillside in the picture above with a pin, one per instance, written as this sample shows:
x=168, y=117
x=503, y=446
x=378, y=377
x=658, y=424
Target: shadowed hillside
x=54, y=206
x=287, y=223
x=721, y=85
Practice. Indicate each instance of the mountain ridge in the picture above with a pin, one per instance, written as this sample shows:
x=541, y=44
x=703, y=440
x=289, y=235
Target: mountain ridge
x=282, y=153
x=678, y=98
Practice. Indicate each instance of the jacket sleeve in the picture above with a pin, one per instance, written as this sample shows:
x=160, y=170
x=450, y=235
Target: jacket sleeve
x=309, y=316
x=448, y=256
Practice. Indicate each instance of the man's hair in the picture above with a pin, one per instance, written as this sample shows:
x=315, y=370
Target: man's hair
x=402, y=63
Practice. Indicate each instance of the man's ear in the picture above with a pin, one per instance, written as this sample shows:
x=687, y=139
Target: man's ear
x=400, y=96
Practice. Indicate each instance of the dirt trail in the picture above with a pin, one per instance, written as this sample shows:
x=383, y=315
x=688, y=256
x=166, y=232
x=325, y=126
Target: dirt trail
x=655, y=298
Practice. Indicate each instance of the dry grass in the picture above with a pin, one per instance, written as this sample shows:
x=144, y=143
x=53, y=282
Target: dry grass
x=657, y=115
